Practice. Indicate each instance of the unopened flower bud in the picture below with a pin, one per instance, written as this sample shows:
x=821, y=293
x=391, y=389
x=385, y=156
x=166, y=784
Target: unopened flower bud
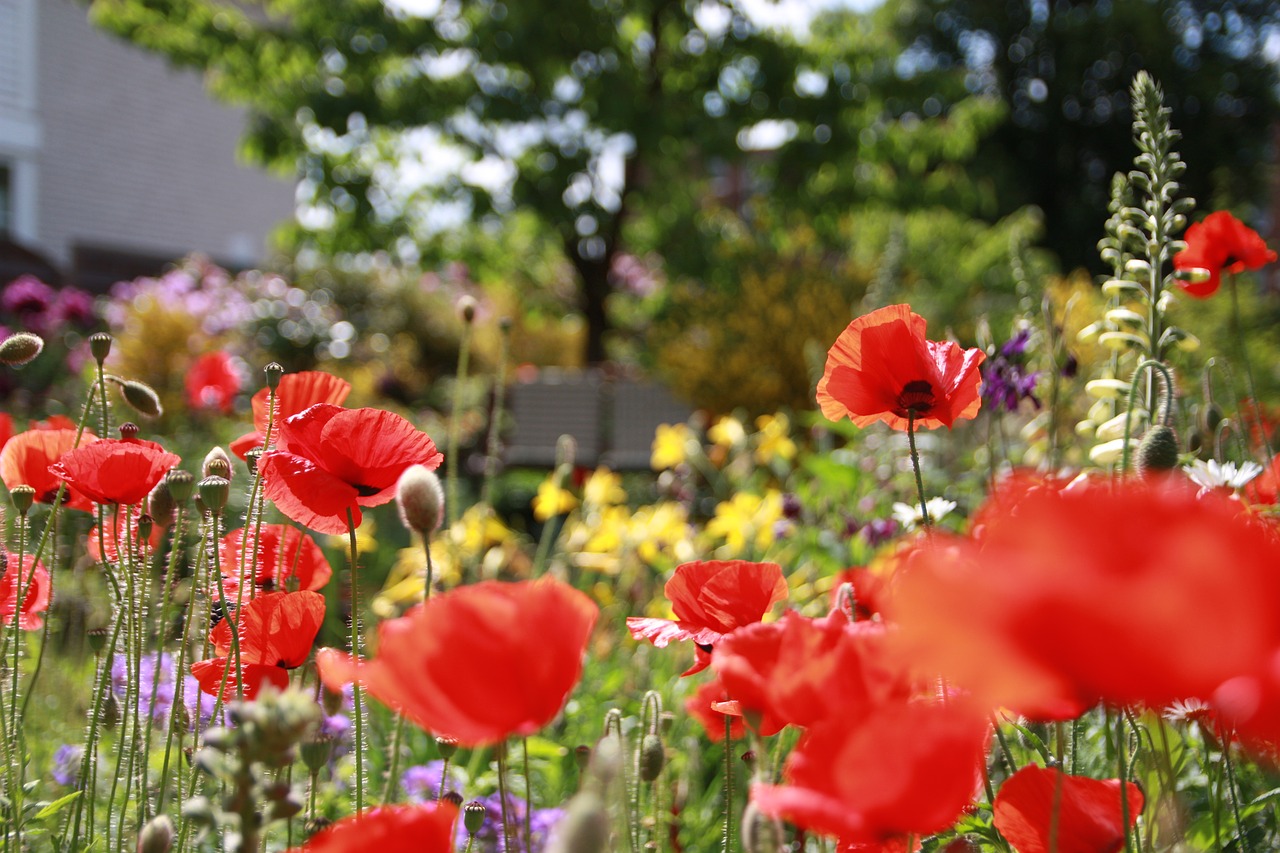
x=420, y=499
x=145, y=525
x=160, y=503
x=316, y=752
x=214, y=492
x=217, y=464
x=181, y=485
x=584, y=827
x=749, y=758
x=251, y=459
x=606, y=760
x=273, y=372
x=1158, y=452
x=156, y=836
x=760, y=833
x=17, y=350
x=652, y=757
x=467, y=309
x=566, y=451
x=100, y=346
x=582, y=756
x=23, y=497
x=142, y=397
x=473, y=815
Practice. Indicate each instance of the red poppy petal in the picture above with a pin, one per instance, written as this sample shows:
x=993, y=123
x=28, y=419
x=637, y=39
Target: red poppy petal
x=297, y=392
x=388, y=829
x=371, y=448
x=662, y=631
x=307, y=494
x=1089, y=812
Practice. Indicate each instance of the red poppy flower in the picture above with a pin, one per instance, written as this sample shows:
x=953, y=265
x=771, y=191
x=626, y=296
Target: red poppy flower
x=479, y=663
x=34, y=590
x=6, y=429
x=801, y=671
x=897, y=769
x=332, y=460
x=1127, y=593
x=711, y=599
x=212, y=382
x=425, y=828
x=704, y=706
x=870, y=590
x=285, y=555
x=26, y=458
x=1220, y=242
x=115, y=470
x=276, y=633
x=1089, y=812
x=124, y=528
x=296, y=393
x=882, y=368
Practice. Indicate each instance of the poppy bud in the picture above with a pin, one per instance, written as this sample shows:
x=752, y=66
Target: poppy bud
x=97, y=639
x=273, y=372
x=100, y=346
x=156, y=836
x=181, y=718
x=1158, y=452
x=760, y=833
x=453, y=798
x=214, y=492
x=160, y=503
x=145, y=526
x=467, y=309
x=749, y=758
x=180, y=484
x=447, y=746
x=142, y=397
x=420, y=499
x=1193, y=275
x=1212, y=417
x=217, y=464
x=582, y=756
x=128, y=431
x=473, y=815
x=21, y=348
x=251, y=460
x=331, y=701
x=652, y=757
x=584, y=827
x=606, y=760
x=566, y=451
x=23, y=497
x=316, y=752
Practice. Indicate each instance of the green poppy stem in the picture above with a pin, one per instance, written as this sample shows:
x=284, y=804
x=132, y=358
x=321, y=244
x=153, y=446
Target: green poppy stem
x=356, y=698
x=915, y=465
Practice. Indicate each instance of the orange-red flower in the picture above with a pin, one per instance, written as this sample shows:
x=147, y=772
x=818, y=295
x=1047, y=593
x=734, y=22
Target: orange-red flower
x=1089, y=812
x=425, y=828
x=479, y=663
x=276, y=633
x=882, y=368
x=115, y=470
x=711, y=599
x=1127, y=593
x=897, y=769
x=123, y=530
x=1221, y=242
x=34, y=590
x=296, y=393
x=331, y=461
x=26, y=458
x=284, y=554
x=705, y=706
x=212, y=382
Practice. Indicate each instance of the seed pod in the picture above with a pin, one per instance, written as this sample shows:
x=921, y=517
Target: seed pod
x=23, y=497
x=214, y=491
x=19, y=349
x=273, y=372
x=217, y=464
x=160, y=503
x=181, y=484
x=473, y=815
x=447, y=746
x=100, y=346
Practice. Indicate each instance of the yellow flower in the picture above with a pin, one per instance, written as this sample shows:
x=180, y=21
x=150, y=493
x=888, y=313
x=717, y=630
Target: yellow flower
x=366, y=542
x=603, y=488
x=552, y=501
x=670, y=446
x=728, y=432
x=747, y=515
x=660, y=528
x=774, y=439
x=478, y=530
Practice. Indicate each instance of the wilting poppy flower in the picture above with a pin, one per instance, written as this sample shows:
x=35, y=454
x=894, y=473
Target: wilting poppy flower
x=212, y=382
x=34, y=590
x=115, y=470
x=296, y=393
x=276, y=633
x=1089, y=812
x=896, y=769
x=801, y=671
x=1127, y=593
x=124, y=529
x=711, y=599
x=419, y=828
x=331, y=461
x=1221, y=242
x=284, y=554
x=26, y=458
x=479, y=663
x=882, y=368
x=703, y=706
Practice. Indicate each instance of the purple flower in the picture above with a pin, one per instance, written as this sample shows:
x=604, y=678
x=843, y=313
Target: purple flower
x=30, y=299
x=1006, y=380
x=74, y=307
x=66, y=764
x=421, y=783
x=489, y=838
x=878, y=531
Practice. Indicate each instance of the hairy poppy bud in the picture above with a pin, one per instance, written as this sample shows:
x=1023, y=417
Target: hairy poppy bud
x=181, y=484
x=214, y=492
x=156, y=836
x=17, y=350
x=23, y=497
x=145, y=526
x=1158, y=451
x=473, y=815
x=652, y=757
x=316, y=824
x=217, y=464
x=273, y=372
x=420, y=499
x=100, y=346
x=141, y=397
x=566, y=451
x=160, y=503
x=760, y=833
x=584, y=827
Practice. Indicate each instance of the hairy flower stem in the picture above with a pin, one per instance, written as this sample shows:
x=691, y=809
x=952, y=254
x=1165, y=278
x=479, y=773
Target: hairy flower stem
x=44, y=630
x=1165, y=416
x=915, y=465
x=528, y=797
x=455, y=426
x=728, y=784
x=179, y=679
x=1242, y=838
x=1122, y=751
x=15, y=743
x=356, y=698
x=502, y=795
x=390, y=791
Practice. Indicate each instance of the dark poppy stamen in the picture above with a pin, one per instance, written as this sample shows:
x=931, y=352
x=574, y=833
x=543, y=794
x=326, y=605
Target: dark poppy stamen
x=916, y=398
x=706, y=647
x=366, y=491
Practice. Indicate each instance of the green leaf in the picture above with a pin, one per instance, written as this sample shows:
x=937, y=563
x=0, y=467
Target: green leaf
x=56, y=806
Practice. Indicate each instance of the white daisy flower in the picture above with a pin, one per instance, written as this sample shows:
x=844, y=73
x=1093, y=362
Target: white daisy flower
x=908, y=515
x=1221, y=475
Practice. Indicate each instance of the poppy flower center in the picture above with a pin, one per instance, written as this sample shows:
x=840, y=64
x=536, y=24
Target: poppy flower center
x=916, y=398
x=366, y=491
